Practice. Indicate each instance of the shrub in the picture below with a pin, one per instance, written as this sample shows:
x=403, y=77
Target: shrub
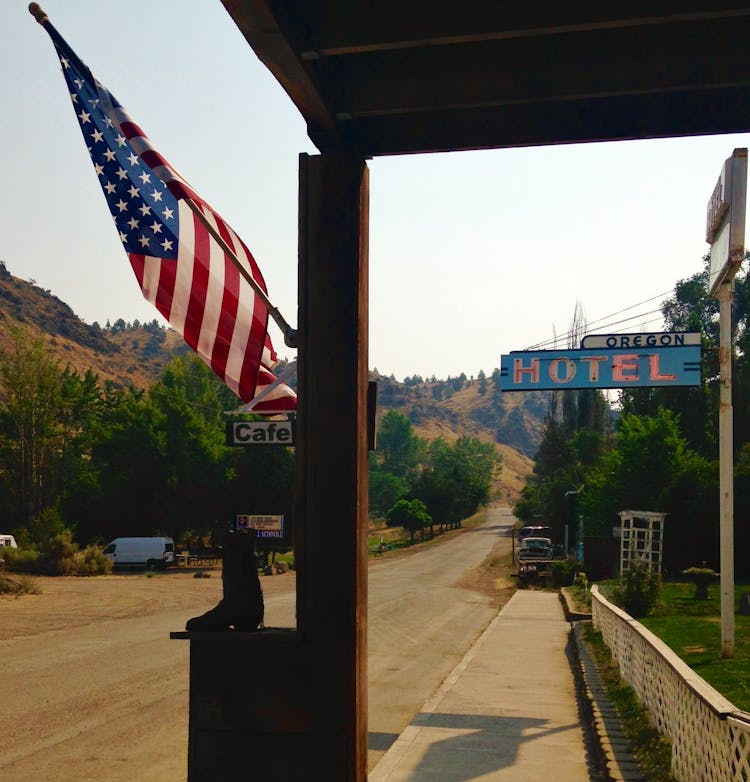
x=59, y=555
x=640, y=591
x=21, y=560
x=564, y=573
x=91, y=562
x=18, y=586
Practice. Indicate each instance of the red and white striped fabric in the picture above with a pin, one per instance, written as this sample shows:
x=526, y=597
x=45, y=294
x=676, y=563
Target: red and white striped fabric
x=181, y=268
x=272, y=395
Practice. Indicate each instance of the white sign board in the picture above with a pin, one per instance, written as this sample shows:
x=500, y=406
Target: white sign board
x=725, y=220
x=667, y=339
x=271, y=526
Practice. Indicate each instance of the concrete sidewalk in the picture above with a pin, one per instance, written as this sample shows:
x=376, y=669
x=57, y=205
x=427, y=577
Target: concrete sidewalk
x=508, y=711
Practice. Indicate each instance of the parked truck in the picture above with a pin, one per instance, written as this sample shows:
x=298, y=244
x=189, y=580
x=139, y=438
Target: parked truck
x=535, y=556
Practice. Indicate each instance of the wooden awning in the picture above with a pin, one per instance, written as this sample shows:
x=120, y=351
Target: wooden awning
x=381, y=77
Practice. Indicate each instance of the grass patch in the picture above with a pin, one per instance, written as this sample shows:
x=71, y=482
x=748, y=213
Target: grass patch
x=580, y=597
x=652, y=750
x=19, y=585
x=382, y=538
x=692, y=629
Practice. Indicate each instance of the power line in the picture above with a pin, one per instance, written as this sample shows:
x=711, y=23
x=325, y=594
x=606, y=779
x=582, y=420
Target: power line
x=605, y=322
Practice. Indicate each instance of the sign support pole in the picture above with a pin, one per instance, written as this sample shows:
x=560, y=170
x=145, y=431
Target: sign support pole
x=725, y=232
x=726, y=469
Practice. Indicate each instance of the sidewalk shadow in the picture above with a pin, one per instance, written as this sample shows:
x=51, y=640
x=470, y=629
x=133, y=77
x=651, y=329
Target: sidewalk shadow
x=380, y=742
x=491, y=744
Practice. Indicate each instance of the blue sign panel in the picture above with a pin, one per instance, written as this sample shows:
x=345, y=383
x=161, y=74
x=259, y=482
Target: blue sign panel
x=543, y=370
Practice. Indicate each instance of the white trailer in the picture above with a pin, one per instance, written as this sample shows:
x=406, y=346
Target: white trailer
x=7, y=541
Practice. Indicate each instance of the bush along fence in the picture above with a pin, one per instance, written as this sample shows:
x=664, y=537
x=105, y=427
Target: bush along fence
x=710, y=736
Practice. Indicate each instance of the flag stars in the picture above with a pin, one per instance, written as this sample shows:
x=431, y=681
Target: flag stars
x=168, y=214
x=122, y=173
x=110, y=188
x=166, y=245
x=97, y=136
x=133, y=223
x=134, y=191
x=74, y=97
x=122, y=206
x=99, y=168
x=132, y=159
x=145, y=209
x=65, y=64
x=85, y=117
x=145, y=177
x=121, y=141
x=156, y=195
x=144, y=240
x=156, y=227
x=110, y=155
x=79, y=83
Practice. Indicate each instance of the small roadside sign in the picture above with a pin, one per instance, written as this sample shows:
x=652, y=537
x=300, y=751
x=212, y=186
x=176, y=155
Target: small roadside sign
x=268, y=526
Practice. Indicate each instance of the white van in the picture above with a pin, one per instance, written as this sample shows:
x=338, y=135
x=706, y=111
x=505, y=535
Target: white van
x=7, y=540
x=144, y=552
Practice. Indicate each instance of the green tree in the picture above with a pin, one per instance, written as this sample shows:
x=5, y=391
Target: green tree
x=409, y=514
x=398, y=448
x=482, y=382
x=385, y=488
x=457, y=478
x=34, y=424
x=652, y=467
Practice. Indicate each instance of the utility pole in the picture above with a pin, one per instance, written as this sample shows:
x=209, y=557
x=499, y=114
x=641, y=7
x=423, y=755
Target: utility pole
x=725, y=232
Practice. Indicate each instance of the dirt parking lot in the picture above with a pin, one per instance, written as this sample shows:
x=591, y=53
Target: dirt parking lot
x=92, y=686
x=95, y=690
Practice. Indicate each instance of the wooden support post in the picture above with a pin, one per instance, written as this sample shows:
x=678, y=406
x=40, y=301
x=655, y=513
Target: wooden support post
x=290, y=705
x=331, y=435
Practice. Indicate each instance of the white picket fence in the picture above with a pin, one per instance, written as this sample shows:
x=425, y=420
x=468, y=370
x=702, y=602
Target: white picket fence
x=710, y=737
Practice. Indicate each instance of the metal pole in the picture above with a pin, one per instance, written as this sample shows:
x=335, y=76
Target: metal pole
x=726, y=469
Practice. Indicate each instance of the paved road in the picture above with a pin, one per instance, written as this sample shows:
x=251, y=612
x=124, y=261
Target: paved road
x=100, y=693
x=421, y=625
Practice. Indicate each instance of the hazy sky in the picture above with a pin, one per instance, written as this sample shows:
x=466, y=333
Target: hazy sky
x=472, y=254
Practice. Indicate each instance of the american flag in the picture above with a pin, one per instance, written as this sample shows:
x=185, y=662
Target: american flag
x=164, y=226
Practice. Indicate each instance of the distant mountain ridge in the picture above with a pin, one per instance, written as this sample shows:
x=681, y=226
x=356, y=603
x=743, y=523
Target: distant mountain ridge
x=136, y=353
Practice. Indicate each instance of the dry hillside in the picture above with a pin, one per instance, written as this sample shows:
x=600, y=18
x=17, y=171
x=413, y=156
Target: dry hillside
x=123, y=354
x=135, y=353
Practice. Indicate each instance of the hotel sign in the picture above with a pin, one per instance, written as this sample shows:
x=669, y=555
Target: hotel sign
x=600, y=367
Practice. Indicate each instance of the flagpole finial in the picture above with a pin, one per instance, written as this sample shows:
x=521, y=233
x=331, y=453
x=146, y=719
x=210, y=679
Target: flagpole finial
x=38, y=13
